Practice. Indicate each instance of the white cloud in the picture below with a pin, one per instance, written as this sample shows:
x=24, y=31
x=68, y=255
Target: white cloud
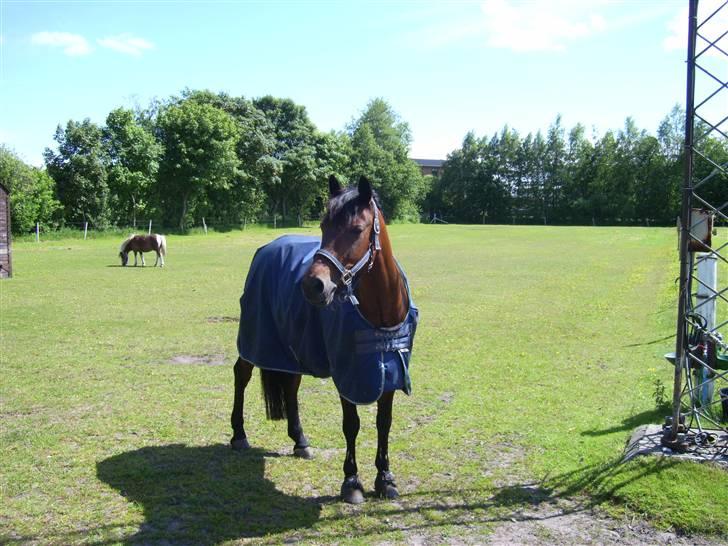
x=72, y=44
x=126, y=43
x=540, y=26
x=677, y=39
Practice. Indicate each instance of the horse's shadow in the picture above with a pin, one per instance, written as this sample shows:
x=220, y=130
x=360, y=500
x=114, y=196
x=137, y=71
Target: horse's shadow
x=204, y=495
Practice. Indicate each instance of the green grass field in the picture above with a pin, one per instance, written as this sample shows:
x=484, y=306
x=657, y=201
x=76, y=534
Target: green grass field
x=535, y=357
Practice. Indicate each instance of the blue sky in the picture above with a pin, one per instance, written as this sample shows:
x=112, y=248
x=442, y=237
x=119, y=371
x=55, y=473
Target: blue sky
x=445, y=67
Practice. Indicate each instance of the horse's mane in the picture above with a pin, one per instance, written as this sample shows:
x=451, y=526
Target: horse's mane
x=126, y=242
x=346, y=205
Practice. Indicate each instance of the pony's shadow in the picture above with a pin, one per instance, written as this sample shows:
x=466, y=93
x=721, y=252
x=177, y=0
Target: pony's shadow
x=204, y=495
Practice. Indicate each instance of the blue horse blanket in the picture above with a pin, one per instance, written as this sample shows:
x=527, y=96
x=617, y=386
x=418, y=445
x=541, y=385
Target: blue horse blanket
x=280, y=330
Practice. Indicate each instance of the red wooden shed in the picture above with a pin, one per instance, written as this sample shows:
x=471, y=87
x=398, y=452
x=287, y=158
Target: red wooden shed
x=6, y=261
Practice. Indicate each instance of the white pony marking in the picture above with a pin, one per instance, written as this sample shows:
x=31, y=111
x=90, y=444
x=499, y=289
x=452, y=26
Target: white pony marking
x=162, y=245
x=126, y=242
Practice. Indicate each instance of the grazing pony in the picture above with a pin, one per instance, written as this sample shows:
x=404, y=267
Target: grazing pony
x=141, y=244
x=338, y=307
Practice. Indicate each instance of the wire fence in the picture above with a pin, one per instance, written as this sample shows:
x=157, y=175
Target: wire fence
x=86, y=230
x=89, y=230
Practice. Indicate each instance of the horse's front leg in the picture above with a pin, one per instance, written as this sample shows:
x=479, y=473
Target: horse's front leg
x=352, y=490
x=243, y=370
x=135, y=258
x=142, y=255
x=384, y=485
x=301, y=447
x=157, y=260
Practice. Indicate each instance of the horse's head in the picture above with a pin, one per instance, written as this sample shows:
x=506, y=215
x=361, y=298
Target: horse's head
x=349, y=241
x=124, y=257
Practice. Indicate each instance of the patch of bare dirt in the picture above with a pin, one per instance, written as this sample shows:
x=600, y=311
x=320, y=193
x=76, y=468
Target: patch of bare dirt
x=199, y=360
x=560, y=522
x=565, y=523
x=447, y=397
x=531, y=515
x=222, y=318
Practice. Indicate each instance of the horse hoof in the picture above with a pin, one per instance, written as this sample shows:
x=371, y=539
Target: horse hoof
x=352, y=491
x=303, y=452
x=384, y=486
x=240, y=444
x=388, y=492
x=353, y=497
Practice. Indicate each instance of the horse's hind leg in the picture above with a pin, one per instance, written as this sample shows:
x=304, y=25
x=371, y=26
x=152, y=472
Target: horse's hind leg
x=384, y=485
x=142, y=255
x=352, y=490
x=243, y=371
x=295, y=430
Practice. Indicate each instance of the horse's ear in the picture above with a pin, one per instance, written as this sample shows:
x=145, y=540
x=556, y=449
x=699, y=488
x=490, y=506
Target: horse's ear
x=334, y=186
x=365, y=189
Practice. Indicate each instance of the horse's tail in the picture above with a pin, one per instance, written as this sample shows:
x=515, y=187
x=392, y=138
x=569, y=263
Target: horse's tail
x=163, y=245
x=274, y=395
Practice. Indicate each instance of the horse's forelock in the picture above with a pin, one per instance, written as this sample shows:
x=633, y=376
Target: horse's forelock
x=345, y=205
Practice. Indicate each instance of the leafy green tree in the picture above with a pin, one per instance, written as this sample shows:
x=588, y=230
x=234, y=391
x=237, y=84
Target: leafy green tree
x=481, y=177
x=133, y=164
x=709, y=167
x=199, y=153
x=654, y=196
x=245, y=196
x=32, y=193
x=333, y=155
x=671, y=134
x=522, y=187
x=578, y=177
x=601, y=185
x=291, y=173
x=553, y=171
x=79, y=170
x=538, y=189
x=380, y=147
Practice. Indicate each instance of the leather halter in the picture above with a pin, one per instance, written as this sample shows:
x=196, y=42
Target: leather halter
x=348, y=275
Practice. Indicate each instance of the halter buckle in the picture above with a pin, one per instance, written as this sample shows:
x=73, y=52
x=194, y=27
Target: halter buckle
x=346, y=277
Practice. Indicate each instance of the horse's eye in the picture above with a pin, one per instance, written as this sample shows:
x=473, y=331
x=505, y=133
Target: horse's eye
x=356, y=230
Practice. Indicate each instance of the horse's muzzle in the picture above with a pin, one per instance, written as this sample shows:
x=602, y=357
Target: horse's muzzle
x=318, y=289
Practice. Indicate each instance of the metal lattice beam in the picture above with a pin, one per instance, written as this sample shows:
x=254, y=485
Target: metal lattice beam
x=698, y=342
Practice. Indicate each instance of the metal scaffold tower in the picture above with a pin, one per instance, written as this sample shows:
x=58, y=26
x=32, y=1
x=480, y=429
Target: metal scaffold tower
x=700, y=396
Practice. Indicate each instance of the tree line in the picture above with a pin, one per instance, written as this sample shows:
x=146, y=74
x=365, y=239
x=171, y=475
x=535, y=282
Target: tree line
x=210, y=155
x=621, y=177
x=234, y=160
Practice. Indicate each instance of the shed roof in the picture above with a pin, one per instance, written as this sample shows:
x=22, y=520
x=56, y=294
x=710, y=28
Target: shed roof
x=435, y=163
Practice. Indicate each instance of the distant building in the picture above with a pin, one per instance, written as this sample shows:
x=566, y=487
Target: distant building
x=430, y=166
x=6, y=263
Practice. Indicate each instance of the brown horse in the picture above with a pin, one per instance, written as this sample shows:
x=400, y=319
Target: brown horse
x=351, y=274
x=139, y=244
